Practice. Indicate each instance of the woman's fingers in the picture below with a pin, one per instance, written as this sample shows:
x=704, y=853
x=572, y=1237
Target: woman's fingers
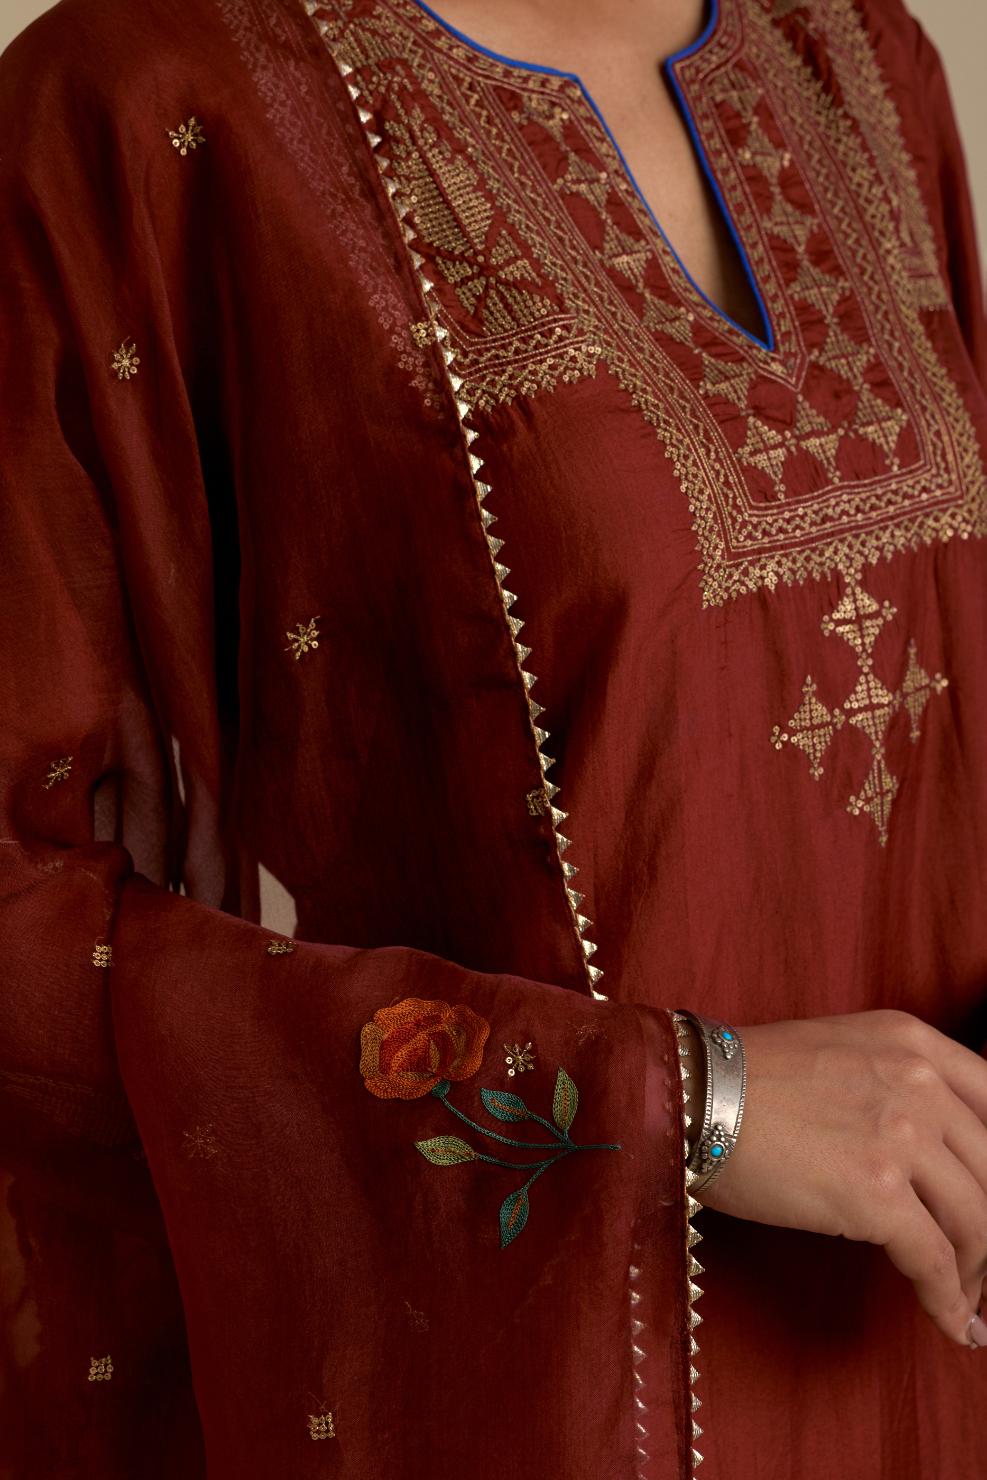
x=881, y=1121
x=966, y=1136
x=919, y=1248
x=958, y=1203
x=963, y=1070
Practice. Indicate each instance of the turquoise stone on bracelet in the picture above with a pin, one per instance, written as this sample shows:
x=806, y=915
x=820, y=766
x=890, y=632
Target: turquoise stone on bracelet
x=725, y=1039
x=714, y=1147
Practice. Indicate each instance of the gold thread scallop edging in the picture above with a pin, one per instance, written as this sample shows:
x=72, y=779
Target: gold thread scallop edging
x=481, y=490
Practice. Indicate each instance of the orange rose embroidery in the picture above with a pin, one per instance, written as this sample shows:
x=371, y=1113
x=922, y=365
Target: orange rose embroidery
x=416, y=1048
x=409, y=1047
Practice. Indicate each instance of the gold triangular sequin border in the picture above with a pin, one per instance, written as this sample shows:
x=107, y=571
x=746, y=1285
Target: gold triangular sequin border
x=481, y=490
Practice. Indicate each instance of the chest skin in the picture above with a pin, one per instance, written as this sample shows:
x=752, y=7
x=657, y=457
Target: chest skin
x=618, y=52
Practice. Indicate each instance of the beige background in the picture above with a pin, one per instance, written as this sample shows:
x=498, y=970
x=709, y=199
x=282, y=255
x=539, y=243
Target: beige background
x=958, y=27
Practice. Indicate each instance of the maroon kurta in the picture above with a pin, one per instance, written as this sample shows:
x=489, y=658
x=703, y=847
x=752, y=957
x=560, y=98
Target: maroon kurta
x=349, y=388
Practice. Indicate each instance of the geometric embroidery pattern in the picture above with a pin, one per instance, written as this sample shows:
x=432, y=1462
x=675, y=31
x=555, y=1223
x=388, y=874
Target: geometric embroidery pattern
x=869, y=707
x=851, y=409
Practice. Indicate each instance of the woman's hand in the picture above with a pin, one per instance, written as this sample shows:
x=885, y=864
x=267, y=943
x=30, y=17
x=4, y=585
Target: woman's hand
x=872, y=1125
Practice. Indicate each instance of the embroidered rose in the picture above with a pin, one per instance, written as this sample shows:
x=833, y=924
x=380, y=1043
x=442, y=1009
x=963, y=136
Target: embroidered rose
x=411, y=1046
x=416, y=1048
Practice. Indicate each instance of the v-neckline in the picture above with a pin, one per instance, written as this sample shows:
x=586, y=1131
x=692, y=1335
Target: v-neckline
x=766, y=343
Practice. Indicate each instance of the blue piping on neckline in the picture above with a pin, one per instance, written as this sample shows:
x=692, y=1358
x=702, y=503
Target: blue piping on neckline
x=667, y=67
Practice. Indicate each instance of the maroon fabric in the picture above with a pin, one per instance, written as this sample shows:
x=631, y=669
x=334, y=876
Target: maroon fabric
x=751, y=581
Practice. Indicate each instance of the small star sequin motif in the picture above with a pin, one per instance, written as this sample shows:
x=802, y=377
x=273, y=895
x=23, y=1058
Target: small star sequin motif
x=416, y=1318
x=586, y=1032
x=187, y=136
x=280, y=947
x=518, y=1059
x=102, y=955
x=125, y=361
x=537, y=802
x=200, y=1142
x=100, y=1369
x=58, y=771
x=304, y=638
x=321, y=1426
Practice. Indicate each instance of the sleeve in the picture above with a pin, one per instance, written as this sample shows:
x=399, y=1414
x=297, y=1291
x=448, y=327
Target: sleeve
x=259, y=1192
x=943, y=165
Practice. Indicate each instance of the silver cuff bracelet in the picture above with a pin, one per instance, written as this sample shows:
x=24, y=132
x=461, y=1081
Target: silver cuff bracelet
x=726, y=1085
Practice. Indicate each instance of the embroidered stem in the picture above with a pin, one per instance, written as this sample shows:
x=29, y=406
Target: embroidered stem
x=548, y=1125
x=448, y=1151
x=507, y=1140
x=563, y=1137
x=521, y=1166
x=533, y=1176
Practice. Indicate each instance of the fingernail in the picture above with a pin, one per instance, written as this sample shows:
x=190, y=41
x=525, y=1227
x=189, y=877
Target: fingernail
x=976, y=1330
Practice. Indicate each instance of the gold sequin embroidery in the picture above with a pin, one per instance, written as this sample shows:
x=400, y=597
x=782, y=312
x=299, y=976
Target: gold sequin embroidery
x=200, y=1143
x=187, y=136
x=305, y=637
x=417, y=1319
x=125, y=360
x=102, y=955
x=100, y=1369
x=518, y=1059
x=280, y=947
x=58, y=771
x=589, y=1033
x=858, y=618
x=321, y=1426
x=537, y=802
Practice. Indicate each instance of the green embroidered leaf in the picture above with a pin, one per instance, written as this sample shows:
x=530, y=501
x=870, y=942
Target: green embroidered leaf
x=441, y=1089
x=513, y=1215
x=445, y=1151
x=566, y=1101
x=503, y=1105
